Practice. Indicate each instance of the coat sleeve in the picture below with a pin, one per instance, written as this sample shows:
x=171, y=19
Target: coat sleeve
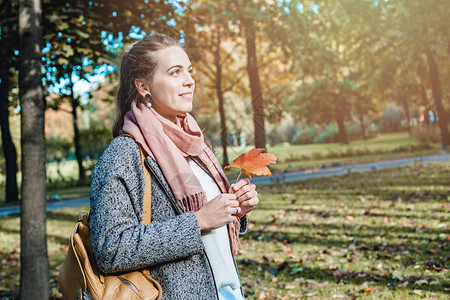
x=119, y=241
x=243, y=225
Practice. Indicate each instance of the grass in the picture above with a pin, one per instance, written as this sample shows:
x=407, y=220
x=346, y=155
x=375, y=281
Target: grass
x=373, y=235
x=381, y=234
x=384, y=146
x=383, y=142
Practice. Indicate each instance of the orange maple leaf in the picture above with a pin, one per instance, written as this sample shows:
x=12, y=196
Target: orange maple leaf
x=254, y=162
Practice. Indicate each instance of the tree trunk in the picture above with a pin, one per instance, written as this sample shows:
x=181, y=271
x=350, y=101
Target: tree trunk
x=34, y=282
x=363, y=127
x=219, y=91
x=255, y=85
x=340, y=115
x=404, y=101
x=423, y=95
x=9, y=149
x=342, y=132
x=437, y=95
x=76, y=137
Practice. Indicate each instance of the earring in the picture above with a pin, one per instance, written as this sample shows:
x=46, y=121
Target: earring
x=148, y=97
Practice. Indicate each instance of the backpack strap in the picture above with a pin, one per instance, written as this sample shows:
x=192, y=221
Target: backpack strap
x=147, y=213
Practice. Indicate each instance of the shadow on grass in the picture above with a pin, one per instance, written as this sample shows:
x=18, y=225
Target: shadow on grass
x=406, y=250
x=417, y=214
x=61, y=240
x=56, y=215
x=356, y=230
x=290, y=271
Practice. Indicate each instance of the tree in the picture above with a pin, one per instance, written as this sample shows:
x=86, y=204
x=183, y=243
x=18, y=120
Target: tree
x=80, y=39
x=34, y=283
x=8, y=43
x=214, y=40
x=417, y=34
x=437, y=95
x=255, y=85
x=323, y=58
x=322, y=102
x=251, y=17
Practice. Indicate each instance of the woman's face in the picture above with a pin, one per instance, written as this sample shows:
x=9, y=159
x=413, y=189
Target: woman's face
x=172, y=87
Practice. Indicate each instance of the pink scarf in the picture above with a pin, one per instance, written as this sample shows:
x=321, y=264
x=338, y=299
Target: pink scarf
x=169, y=144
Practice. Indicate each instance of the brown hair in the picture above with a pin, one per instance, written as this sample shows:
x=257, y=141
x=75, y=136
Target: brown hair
x=140, y=62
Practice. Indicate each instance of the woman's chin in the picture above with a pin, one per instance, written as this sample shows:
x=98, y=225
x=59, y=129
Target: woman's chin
x=187, y=108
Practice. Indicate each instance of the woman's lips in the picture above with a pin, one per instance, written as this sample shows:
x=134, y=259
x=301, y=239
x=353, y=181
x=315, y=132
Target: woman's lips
x=187, y=95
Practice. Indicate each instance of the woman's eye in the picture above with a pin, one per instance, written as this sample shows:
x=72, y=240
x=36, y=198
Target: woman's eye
x=176, y=72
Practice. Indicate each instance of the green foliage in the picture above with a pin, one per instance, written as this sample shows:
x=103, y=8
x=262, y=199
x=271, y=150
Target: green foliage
x=427, y=134
x=57, y=148
x=95, y=139
x=391, y=119
x=329, y=135
x=304, y=136
x=309, y=134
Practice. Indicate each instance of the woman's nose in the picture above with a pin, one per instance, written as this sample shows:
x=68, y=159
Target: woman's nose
x=188, y=80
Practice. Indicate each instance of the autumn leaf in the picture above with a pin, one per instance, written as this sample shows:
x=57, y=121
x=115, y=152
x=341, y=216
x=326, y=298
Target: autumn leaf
x=254, y=162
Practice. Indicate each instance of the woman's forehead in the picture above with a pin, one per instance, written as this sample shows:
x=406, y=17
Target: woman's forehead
x=172, y=56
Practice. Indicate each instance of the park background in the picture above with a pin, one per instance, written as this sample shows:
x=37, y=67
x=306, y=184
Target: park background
x=318, y=83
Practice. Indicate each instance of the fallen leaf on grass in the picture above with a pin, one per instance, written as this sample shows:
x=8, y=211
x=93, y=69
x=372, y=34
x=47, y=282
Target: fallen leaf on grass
x=311, y=294
x=421, y=282
x=397, y=274
x=364, y=288
x=382, y=255
x=288, y=250
x=403, y=284
x=434, y=251
x=254, y=162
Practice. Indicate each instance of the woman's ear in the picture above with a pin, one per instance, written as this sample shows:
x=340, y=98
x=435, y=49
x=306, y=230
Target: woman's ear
x=141, y=86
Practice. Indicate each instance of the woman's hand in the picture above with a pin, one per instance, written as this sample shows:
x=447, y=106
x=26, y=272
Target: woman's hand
x=246, y=194
x=218, y=212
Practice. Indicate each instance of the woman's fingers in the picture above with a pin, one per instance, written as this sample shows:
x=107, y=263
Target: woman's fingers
x=246, y=191
x=218, y=212
x=250, y=203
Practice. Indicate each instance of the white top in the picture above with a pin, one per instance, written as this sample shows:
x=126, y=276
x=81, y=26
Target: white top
x=217, y=243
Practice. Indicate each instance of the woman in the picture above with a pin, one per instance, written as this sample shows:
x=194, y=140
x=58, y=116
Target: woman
x=196, y=216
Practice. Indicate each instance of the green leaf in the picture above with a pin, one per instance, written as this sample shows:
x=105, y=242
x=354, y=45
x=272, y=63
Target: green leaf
x=296, y=270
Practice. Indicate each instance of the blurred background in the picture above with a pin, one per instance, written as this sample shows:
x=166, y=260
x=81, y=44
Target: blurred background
x=268, y=73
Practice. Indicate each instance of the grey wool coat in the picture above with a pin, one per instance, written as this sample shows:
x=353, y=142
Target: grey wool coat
x=170, y=246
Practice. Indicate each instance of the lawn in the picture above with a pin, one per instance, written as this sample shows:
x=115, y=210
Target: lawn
x=381, y=234
x=373, y=235
x=383, y=142
x=384, y=146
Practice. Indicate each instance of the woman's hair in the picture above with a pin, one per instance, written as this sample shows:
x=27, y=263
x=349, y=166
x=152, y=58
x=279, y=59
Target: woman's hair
x=140, y=62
